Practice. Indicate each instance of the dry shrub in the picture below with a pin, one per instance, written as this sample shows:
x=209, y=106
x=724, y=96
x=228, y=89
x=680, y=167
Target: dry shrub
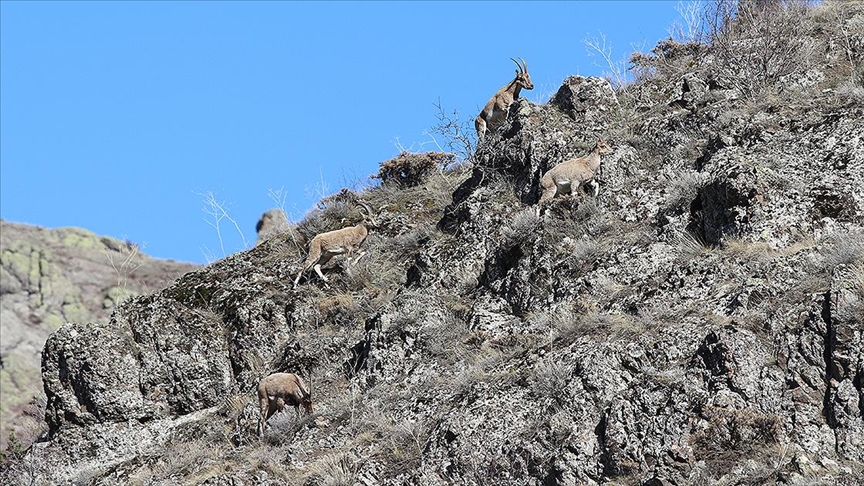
x=758, y=44
x=843, y=21
x=734, y=434
x=343, y=197
x=668, y=59
x=409, y=169
x=338, y=308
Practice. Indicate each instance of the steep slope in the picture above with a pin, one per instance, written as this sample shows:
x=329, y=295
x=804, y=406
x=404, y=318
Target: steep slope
x=49, y=277
x=699, y=322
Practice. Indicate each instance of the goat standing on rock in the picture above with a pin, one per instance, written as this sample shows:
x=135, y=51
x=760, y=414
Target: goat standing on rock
x=325, y=246
x=496, y=108
x=577, y=172
x=279, y=389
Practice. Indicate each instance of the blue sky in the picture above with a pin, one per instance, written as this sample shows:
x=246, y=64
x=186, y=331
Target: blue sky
x=119, y=117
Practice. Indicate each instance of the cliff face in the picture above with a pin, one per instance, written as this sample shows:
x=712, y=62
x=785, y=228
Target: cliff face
x=700, y=321
x=50, y=277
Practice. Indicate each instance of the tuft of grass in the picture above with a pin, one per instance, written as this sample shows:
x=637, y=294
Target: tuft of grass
x=548, y=381
x=337, y=469
x=844, y=249
x=850, y=91
x=522, y=227
x=682, y=190
x=686, y=246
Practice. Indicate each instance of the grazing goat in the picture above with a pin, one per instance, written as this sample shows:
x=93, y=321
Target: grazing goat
x=278, y=390
x=579, y=171
x=325, y=246
x=496, y=108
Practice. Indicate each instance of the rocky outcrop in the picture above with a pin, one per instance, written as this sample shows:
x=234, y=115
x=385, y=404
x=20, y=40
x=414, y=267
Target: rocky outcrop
x=272, y=223
x=50, y=277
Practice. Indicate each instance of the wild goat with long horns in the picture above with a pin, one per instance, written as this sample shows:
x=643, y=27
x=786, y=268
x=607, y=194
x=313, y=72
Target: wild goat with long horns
x=495, y=111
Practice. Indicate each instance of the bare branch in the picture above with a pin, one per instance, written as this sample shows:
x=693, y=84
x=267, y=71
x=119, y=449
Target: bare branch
x=616, y=72
x=216, y=210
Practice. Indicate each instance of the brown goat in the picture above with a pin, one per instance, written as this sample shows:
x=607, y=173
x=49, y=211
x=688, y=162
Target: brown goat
x=572, y=174
x=280, y=389
x=495, y=111
x=325, y=246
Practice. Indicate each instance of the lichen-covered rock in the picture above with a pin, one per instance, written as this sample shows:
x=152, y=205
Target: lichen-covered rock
x=49, y=277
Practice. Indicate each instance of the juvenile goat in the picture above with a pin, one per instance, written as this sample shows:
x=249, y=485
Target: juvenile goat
x=495, y=111
x=279, y=389
x=579, y=171
x=325, y=246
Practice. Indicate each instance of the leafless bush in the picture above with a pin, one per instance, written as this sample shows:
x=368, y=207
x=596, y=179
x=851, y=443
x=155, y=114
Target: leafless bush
x=691, y=26
x=218, y=210
x=733, y=434
x=616, y=70
x=410, y=169
x=757, y=44
x=668, y=59
x=845, y=21
x=459, y=135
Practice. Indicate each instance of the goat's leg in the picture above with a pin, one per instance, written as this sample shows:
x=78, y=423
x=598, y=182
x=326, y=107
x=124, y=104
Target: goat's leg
x=357, y=258
x=265, y=414
x=549, y=189
x=322, y=260
x=299, y=274
x=595, y=186
x=317, y=269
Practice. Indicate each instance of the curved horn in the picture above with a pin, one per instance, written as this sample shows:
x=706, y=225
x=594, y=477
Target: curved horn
x=524, y=64
x=368, y=209
x=518, y=65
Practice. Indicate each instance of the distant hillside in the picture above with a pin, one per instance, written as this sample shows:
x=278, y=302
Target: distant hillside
x=699, y=322
x=49, y=277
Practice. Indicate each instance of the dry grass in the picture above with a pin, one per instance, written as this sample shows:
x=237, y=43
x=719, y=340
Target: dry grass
x=687, y=247
x=549, y=380
x=521, y=227
x=731, y=435
x=337, y=469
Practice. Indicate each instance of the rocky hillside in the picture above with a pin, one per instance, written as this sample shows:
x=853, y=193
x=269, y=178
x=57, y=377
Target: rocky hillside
x=699, y=322
x=49, y=277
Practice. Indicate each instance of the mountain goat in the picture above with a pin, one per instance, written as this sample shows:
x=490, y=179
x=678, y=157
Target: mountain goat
x=579, y=171
x=280, y=389
x=325, y=246
x=496, y=108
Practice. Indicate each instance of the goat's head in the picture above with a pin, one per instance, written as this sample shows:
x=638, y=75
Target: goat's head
x=523, y=79
x=603, y=147
x=366, y=212
x=306, y=401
